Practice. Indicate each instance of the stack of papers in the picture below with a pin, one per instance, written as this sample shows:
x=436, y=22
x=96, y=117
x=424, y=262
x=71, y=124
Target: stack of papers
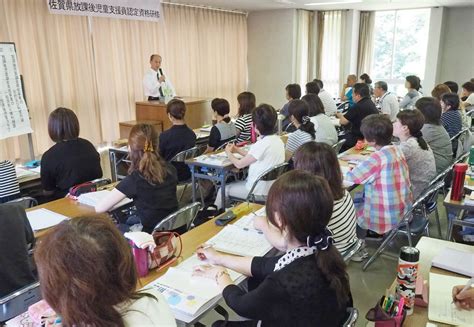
x=206, y=129
x=44, y=218
x=189, y=296
x=93, y=198
x=460, y=262
x=218, y=159
x=441, y=308
x=22, y=172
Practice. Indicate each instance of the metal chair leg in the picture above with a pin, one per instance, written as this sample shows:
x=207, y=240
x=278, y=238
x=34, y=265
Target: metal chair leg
x=382, y=247
x=440, y=234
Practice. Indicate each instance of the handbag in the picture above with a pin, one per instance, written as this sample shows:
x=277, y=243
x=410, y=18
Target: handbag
x=382, y=319
x=166, y=251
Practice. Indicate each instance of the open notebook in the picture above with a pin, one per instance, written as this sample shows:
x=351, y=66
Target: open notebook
x=189, y=296
x=93, y=198
x=461, y=262
x=441, y=308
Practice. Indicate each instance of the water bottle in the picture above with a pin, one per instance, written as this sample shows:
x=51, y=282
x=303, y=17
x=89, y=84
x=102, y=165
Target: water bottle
x=457, y=186
x=406, y=276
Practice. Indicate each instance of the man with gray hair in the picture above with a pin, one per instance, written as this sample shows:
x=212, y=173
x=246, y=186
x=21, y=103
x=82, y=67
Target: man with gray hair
x=387, y=101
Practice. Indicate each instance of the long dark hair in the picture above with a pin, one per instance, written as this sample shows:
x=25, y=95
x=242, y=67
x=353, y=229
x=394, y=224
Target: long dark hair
x=304, y=204
x=320, y=159
x=299, y=109
x=144, y=157
x=63, y=125
x=86, y=269
x=414, y=120
x=315, y=105
x=246, y=102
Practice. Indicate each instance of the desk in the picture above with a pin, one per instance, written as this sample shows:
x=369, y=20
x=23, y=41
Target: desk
x=458, y=206
x=198, y=112
x=429, y=248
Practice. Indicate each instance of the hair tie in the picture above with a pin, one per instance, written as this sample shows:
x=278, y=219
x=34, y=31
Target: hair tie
x=148, y=147
x=305, y=119
x=321, y=241
x=418, y=134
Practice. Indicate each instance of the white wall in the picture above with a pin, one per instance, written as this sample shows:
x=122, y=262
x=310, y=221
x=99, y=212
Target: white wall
x=271, y=54
x=457, y=46
x=433, y=53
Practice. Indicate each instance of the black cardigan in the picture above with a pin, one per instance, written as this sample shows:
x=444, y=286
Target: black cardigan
x=296, y=295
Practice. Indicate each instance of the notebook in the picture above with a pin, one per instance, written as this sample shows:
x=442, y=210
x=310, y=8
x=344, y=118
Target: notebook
x=189, y=296
x=218, y=159
x=236, y=240
x=22, y=172
x=44, y=218
x=93, y=198
x=461, y=262
x=441, y=308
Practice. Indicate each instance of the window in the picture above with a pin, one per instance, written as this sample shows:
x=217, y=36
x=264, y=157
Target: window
x=400, y=45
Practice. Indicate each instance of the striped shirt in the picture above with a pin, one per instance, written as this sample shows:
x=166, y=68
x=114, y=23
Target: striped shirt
x=244, y=126
x=452, y=121
x=8, y=182
x=343, y=223
x=387, y=189
x=297, y=139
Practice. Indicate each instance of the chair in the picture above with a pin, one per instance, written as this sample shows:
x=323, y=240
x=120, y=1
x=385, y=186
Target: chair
x=269, y=175
x=458, y=140
x=222, y=146
x=181, y=157
x=18, y=302
x=353, y=315
x=184, y=217
x=414, y=222
x=343, y=106
x=337, y=147
x=25, y=202
x=354, y=248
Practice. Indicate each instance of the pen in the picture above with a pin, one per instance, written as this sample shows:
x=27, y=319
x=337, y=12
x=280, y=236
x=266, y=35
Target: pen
x=201, y=256
x=465, y=288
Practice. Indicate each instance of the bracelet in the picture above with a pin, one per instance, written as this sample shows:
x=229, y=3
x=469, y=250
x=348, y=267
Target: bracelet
x=220, y=274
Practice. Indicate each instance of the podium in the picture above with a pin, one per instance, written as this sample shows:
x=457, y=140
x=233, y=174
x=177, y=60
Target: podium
x=198, y=112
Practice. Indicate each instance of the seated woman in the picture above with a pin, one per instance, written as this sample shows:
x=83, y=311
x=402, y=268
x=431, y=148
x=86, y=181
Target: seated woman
x=9, y=186
x=298, y=111
x=434, y=134
x=439, y=90
x=151, y=181
x=451, y=117
x=412, y=84
x=325, y=129
x=71, y=161
x=178, y=138
x=16, y=236
x=419, y=157
x=365, y=78
x=88, y=277
x=308, y=285
x=321, y=160
x=243, y=123
x=224, y=130
x=267, y=152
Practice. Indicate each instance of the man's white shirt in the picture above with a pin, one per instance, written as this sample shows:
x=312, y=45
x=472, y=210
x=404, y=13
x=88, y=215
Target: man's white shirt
x=328, y=102
x=389, y=105
x=151, y=84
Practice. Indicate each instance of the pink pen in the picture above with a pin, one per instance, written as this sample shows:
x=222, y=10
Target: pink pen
x=400, y=306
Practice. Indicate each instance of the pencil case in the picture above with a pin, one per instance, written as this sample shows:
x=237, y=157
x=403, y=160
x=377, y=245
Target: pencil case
x=382, y=318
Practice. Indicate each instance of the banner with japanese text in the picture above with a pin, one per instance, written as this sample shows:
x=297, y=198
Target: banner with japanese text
x=14, y=118
x=126, y=9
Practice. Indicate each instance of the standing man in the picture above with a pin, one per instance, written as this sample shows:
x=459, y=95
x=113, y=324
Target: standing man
x=388, y=102
x=362, y=108
x=155, y=83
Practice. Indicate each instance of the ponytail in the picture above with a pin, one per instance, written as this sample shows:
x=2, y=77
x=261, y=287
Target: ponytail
x=333, y=268
x=152, y=167
x=308, y=127
x=421, y=140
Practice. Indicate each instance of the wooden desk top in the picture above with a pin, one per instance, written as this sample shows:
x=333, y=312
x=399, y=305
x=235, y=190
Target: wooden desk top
x=186, y=100
x=429, y=248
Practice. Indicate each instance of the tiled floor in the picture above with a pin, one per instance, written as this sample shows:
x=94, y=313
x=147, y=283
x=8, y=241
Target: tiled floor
x=367, y=287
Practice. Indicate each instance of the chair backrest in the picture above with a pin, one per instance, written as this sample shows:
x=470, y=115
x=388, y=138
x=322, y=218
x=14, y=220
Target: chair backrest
x=420, y=202
x=349, y=253
x=269, y=175
x=18, y=302
x=343, y=106
x=183, y=217
x=25, y=202
x=185, y=155
x=222, y=146
x=353, y=315
x=337, y=147
x=201, y=149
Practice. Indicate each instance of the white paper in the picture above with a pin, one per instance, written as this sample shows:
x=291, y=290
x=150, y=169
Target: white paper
x=461, y=262
x=441, y=308
x=14, y=117
x=93, y=198
x=44, y=218
x=235, y=240
x=21, y=172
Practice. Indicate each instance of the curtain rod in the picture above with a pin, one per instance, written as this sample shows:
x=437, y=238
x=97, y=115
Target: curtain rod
x=205, y=7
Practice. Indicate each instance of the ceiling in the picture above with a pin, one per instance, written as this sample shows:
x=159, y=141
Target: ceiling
x=251, y=5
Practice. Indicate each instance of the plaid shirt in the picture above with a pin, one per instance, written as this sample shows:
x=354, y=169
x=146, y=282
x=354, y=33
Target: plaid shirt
x=387, y=192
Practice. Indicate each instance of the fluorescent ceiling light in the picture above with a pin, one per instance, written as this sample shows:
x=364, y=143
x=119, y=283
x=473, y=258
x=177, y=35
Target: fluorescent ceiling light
x=332, y=3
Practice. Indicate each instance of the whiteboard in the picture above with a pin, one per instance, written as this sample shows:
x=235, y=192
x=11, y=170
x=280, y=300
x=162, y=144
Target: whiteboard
x=14, y=118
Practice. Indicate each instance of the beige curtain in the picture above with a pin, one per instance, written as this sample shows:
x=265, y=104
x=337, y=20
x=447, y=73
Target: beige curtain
x=366, y=42
x=303, y=20
x=320, y=40
x=96, y=65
